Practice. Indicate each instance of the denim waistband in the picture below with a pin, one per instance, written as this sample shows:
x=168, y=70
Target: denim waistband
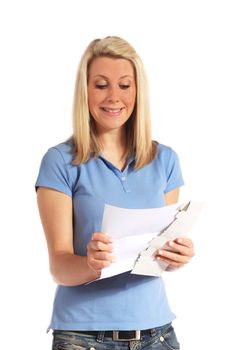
x=120, y=335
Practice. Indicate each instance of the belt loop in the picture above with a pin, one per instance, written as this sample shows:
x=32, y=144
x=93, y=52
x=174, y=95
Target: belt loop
x=100, y=337
x=153, y=332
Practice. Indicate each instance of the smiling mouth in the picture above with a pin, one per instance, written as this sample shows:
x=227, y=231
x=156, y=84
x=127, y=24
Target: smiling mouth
x=112, y=110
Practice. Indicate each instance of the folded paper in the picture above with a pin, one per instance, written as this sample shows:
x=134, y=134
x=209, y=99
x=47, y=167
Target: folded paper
x=138, y=233
x=179, y=227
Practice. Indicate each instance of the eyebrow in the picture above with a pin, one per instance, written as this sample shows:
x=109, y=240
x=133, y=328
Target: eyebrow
x=104, y=76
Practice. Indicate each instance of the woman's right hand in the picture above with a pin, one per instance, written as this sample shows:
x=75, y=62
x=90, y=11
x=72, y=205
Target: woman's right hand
x=99, y=251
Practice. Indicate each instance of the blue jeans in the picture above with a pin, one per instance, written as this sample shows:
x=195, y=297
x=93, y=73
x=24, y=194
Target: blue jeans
x=161, y=338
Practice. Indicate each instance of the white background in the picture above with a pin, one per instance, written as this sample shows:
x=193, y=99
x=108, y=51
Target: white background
x=187, y=50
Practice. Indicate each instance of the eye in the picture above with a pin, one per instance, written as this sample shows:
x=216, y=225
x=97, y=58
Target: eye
x=101, y=86
x=124, y=86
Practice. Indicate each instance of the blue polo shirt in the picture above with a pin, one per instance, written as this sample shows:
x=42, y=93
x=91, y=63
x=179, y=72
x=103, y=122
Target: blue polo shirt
x=125, y=301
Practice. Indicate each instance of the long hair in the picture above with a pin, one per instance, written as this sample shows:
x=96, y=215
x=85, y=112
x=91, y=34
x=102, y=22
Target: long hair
x=138, y=126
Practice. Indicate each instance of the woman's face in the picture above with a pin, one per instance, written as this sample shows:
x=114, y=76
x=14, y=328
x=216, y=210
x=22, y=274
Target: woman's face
x=111, y=92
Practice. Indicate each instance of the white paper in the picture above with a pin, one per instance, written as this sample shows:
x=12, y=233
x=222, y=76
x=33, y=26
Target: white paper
x=126, y=251
x=138, y=233
x=131, y=230
x=120, y=222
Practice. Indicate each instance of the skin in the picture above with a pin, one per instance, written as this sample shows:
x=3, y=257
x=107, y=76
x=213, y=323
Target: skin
x=111, y=94
x=111, y=98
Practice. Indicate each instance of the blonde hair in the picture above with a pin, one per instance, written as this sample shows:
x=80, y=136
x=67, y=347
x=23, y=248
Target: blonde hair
x=138, y=127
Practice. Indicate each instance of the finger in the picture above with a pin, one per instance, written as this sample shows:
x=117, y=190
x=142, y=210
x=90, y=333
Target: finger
x=103, y=237
x=98, y=265
x=99, y=246
x=170, y=263
x=103, y=256
x=184, y=241
x=169, y=256
x=181, y=249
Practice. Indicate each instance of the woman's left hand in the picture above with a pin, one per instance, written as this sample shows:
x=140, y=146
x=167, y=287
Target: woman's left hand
x=182, y=251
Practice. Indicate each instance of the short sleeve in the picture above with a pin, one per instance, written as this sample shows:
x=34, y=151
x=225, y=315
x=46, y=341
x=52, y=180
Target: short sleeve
x=173, y=172
x=53, y=172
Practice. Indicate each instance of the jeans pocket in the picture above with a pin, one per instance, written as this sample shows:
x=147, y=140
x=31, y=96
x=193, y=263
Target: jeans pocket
x=168, y=339
x=60, y=343
x=66, y=346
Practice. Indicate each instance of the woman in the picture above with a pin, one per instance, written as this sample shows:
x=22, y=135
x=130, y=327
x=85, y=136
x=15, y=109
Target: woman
x=109, y=159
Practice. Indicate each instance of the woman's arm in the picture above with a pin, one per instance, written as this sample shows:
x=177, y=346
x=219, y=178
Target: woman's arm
x=172, y=197
x=56, y=216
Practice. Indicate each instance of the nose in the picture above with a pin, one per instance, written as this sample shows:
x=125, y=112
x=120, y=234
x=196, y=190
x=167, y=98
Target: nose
x=113, y=96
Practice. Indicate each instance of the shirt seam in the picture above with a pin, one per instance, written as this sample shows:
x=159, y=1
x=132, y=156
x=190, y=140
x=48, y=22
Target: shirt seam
x=66, y=169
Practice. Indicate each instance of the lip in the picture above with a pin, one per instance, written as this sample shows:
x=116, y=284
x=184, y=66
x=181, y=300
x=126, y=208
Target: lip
x=112, y=111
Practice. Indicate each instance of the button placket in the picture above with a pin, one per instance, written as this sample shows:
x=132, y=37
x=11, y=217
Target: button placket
x=125, y=183
x=123, y=178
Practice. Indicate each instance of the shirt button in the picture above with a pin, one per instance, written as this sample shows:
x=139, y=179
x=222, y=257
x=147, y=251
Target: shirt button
x=161, y=339
x=123, y=178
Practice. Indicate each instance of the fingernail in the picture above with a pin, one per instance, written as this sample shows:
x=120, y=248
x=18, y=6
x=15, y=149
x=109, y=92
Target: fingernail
x=171, y=243
x=158, y=258
x=180, y=240
x=160, y=252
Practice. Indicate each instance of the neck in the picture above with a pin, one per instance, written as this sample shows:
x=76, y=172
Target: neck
x=114, y=148
x=113, y=141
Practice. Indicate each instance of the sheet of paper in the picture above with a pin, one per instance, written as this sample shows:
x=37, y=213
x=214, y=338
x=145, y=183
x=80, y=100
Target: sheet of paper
x=182, y=224
x=131, y=230
x=126, y=250
x=138, y=233
x=120, y=222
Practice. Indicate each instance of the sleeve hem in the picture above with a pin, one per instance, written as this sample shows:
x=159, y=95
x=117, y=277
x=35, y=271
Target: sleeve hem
x=56, y=188
x=174, y=186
